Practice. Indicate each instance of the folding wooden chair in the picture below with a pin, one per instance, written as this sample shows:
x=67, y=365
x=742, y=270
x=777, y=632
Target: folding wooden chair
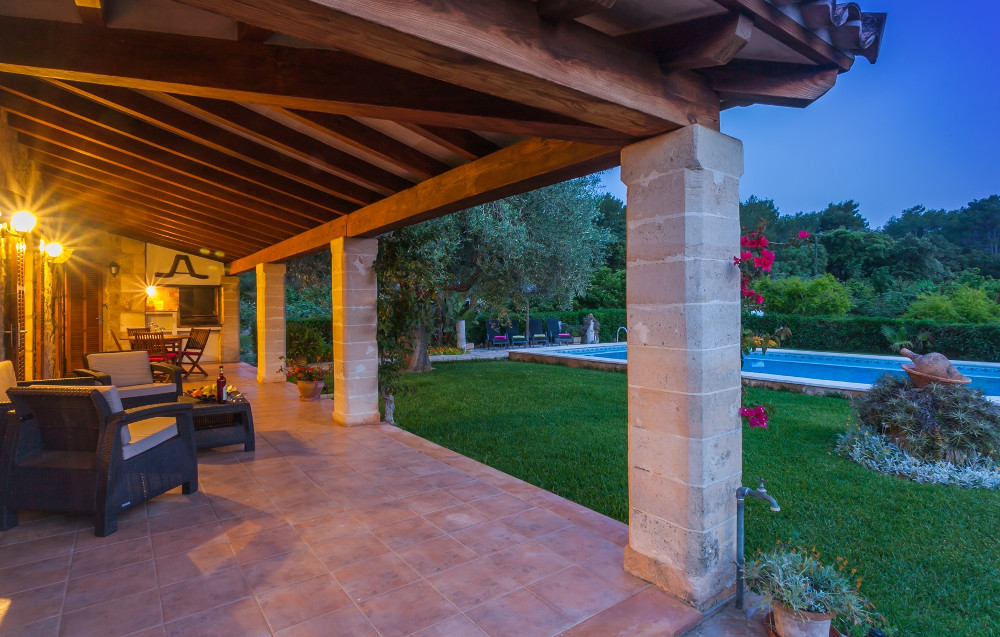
x=193, y=349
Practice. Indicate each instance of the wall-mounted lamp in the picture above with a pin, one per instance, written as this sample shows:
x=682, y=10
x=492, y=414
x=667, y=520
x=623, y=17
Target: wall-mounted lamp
x=114, y=268
x=20, y=223
x=151, y=291
x=54, y=252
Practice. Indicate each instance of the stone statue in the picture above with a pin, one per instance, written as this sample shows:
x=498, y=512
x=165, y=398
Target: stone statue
x=591, y=330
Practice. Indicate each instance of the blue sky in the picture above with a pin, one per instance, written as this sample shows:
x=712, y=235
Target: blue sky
x=921, y=126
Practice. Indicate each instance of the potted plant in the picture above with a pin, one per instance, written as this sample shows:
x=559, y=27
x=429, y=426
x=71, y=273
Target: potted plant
x=309, y=378
x=804, y=594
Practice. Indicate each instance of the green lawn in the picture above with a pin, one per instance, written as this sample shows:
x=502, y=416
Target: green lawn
x=929, y=555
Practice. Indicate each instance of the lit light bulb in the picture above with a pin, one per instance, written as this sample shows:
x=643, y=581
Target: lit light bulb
x=151, y=291
x=52, y=250
x=23, y=222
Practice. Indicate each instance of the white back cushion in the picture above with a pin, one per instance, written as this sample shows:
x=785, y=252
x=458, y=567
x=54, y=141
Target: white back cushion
x=8, y=378
x=124, y=368
x=111, y=396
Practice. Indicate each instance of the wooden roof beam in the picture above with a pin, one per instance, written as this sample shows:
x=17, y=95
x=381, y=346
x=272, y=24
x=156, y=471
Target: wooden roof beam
x=560, y=10
x=223, y=140
x=500, y=47
x=709, y=41
x=251, y=72
x=91, y=12
x=249, y=33
x=530, y=164
x=776, y=83
x=465, y=144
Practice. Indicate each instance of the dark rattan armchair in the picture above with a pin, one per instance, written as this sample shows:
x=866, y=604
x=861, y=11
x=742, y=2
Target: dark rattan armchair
x=9, y=380
x=75, y=450
x=132, y=373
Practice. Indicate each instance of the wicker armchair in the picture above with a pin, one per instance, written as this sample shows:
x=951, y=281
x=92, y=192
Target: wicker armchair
x=8, y=379
x=132, y=373
x=76, y=450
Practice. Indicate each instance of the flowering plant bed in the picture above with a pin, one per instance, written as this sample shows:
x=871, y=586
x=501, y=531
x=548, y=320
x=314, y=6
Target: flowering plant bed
x=306, y=371
x=446, y=351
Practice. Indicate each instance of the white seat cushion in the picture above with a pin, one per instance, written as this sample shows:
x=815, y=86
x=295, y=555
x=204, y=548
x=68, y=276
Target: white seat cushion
x=111, y=397
x=8, y=379
x=149, y=389
x=146, y=434
x=124, y=368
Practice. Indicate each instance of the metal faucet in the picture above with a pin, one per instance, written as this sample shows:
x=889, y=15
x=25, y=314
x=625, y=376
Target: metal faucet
x=741, y=494
x=618, y=333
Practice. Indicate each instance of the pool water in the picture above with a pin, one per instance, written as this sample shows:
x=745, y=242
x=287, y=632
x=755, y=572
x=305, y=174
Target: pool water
x=842, y=368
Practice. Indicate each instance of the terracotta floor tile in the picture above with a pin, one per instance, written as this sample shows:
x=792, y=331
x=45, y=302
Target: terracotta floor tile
x=472, y=490
x=373, y=577
x=457, y=626
x=577, y=593
x=349, y=622
x=457, y=518
x=251, y=548
x=611, y=530
x=42, y=528
x=198, y=562
x=202, y=593
x=28, y=607
x=239, y=619
x=174, y=500
x=327, y=528
x=430, y=501
x=611, y=569
x=436, y=555
x=188, y=538
x=254, y=523
x=35, y=550
x=382, y=514
x=282, y=570
x=502, y=505
x=473, y=583
x=34, y=574
x=181, y=519
x=111, y=557
x=651, y=613
x=425, y=467
x=407, y=610
x=156, y=631
x=103, y=587
x=535, y=522
x=348, y=549
x=577, y=545
x=225, y=507
x=302, y=601
x=361, y=497
x=115, y=618
x=402, y=534
x=519, y=614
x=489, y=538
x=130, y=530
x=44, y=628
x=528, y=562
x=447, y=478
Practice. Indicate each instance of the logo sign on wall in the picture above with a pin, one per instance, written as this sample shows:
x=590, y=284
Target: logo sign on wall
x=169, y=267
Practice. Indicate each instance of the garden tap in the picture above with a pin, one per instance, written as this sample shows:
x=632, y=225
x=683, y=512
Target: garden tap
x=759, y=493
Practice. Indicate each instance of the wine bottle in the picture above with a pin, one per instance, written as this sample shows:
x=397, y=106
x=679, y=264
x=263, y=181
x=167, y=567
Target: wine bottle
x=220, y=387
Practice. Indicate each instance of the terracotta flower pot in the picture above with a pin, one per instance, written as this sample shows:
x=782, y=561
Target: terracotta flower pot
x=309, y=389
x=802, y=624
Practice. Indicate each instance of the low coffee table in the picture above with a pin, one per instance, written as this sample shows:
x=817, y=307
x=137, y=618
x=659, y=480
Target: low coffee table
x=217, y=425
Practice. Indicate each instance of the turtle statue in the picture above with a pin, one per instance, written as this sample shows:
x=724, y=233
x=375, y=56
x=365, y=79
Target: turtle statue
x=932, y=368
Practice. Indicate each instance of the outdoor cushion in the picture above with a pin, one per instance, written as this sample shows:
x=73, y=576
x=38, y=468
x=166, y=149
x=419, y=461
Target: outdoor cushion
x=8, y=379
x=111, y=396
x=124, y=368
x=149, y=389
x=146, y=434
x=564, y=335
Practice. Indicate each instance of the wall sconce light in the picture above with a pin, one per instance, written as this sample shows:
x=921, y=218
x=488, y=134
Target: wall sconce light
x=54, y=252
x=20, y=223
x=114, y=268
x=151, y=291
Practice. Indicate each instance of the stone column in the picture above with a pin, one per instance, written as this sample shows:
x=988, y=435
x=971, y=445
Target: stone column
x=355, y=315
x=270, y=322
x=229, y=345
x=685, y=445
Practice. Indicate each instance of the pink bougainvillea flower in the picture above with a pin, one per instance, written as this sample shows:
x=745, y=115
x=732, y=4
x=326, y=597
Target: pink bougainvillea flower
x=803, y=234
x=756, y=416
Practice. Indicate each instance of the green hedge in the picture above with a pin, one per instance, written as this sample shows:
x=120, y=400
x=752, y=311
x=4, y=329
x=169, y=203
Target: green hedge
x=863, y=335
x=610, y=320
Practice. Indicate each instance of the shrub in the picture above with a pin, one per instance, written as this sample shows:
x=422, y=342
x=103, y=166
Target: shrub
x=950, y=423
x=823, y=296
x=303, y=343
x=962, y=303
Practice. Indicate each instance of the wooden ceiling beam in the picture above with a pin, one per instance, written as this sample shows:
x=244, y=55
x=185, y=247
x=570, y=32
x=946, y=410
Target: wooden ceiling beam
x=371, y=141
x=195, y=210
x=709, y=41
x=58, y=128
x=223, y=140
x=249, y=33
x=560, y=10
x=50, y=104
x=269, y=131
x=95, y=210
x=776, y=83
x=42, y=139
x=500, y=47
x=463, y=143
x=91, y=12
x=251, y=72
x=530, y=164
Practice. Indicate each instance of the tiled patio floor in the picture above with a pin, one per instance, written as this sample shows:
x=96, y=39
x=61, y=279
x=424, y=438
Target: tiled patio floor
x=332, y=531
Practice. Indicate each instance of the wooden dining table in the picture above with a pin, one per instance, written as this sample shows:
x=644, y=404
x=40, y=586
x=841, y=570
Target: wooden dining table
x=172, y=341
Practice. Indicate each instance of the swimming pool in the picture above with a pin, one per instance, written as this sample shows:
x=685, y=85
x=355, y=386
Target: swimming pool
x=851, y=372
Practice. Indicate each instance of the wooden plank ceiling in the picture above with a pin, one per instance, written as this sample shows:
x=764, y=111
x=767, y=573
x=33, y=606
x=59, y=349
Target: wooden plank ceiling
x=256, y=130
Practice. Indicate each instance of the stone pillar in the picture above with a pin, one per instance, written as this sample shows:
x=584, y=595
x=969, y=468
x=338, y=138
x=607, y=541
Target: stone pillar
x=355, y=315
x=685, y=445
x=270, y=322
x=229, y=345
